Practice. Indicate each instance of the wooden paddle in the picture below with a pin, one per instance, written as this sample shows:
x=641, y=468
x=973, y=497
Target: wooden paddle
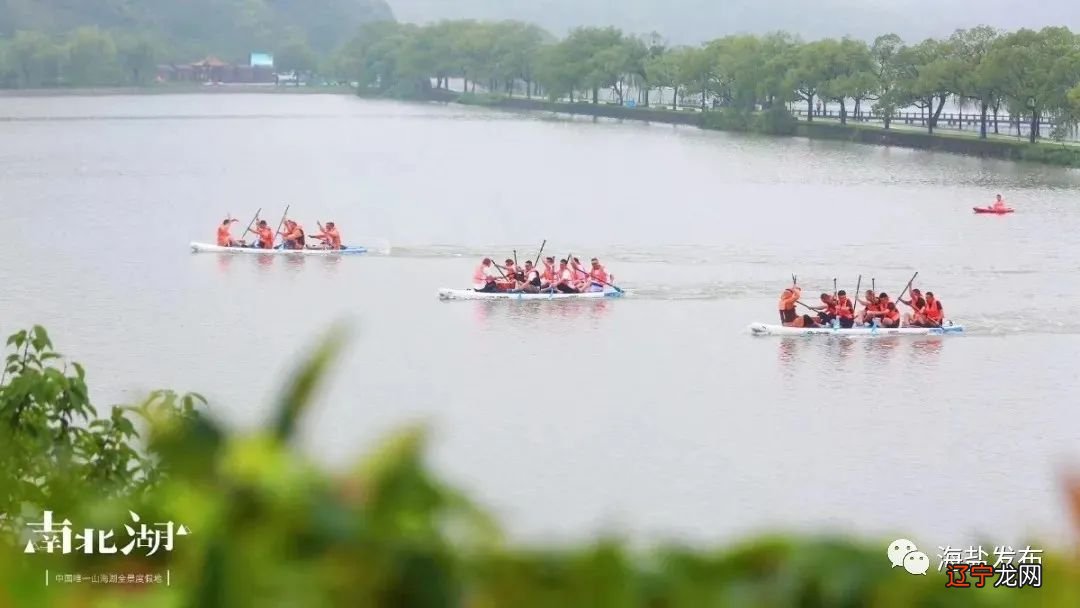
x=539, y=253
x=280, y=224
x=253, y=220
x=908, y=286
x=858, y=284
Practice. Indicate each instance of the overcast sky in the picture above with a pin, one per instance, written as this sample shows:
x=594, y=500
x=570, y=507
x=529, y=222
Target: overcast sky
x=689, y=21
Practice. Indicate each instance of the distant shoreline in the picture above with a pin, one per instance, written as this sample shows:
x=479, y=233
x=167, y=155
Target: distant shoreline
x=1042, y=152
x=175, y=89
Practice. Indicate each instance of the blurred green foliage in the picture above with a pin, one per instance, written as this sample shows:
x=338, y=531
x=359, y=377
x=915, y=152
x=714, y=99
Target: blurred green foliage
x=269, y=528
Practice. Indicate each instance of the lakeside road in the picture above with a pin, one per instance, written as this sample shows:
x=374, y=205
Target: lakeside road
x=900, y=135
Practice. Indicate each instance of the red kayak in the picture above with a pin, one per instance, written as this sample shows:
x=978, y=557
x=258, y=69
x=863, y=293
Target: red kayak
x=992, y=210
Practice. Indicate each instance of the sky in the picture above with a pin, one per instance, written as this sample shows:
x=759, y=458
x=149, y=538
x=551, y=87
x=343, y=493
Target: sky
x=692, y=21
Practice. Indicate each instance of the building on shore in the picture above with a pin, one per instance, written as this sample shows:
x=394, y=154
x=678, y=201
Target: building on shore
x=259, y=69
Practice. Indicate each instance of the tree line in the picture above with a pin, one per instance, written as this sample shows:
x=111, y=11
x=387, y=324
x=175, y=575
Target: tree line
x=1029, y=75
x=90, y=56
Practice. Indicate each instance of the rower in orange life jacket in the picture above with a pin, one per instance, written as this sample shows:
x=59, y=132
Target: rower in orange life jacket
x=293, y=236
x=999, y=203
x=565, y=281
x=482, y=280
x=549, y=275
x=224, y=238
x=869, y=307
x=890, y=317
x=581, y=278
x=511, y=272
x=845, y=310
x=330, y=237
x=265, y=236
x=788, y=316
x=915, y=318
x=531, y=279
x=827, y=310
x=933, y=313
x=598, y=276
x=880, y=310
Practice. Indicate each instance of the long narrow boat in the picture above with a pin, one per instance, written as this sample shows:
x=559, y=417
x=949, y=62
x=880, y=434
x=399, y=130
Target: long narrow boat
x=208, y=248
x=469, y=294
x=763, y=329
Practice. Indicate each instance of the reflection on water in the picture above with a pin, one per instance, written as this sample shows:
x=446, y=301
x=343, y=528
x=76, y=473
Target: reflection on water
x=537, y=313
x=796, y=351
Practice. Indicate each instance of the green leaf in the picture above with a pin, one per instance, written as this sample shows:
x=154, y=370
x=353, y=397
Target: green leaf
x=298, y=394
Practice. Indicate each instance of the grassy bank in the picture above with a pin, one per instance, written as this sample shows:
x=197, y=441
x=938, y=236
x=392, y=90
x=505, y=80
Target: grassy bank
x=780, y=122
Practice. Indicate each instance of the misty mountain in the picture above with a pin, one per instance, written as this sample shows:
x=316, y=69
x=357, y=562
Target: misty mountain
x=691, y=21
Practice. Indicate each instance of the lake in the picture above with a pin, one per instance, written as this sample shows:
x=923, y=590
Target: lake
x=656, y=414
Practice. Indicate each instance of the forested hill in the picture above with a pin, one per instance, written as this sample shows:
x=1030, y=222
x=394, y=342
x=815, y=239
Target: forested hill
x=195, y=27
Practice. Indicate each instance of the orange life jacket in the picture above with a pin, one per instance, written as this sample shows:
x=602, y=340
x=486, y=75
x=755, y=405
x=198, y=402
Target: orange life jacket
x=933, y=311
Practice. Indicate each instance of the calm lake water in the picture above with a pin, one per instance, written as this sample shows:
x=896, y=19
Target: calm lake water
x=657, y=414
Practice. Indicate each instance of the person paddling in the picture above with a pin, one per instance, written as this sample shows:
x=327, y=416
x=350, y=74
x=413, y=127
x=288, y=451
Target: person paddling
x=482, y=279
x=549, y=276
x=917, y=304
x=330, y=237
x=293, y=235
x=933, y=312
x=224, y=237
x=598, y=276
x=827, y=310
x=531, y=280
x=565, y=283
x=788, y=316
x=870, y=307
x=999, y=204
x=581, y=277
x=845, y=310
x=265, y=235
x=511, y=276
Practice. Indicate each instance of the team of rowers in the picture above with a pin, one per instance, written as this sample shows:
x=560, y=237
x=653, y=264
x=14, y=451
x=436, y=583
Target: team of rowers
x=292, y=235
x=568, y=277
x=878, y=310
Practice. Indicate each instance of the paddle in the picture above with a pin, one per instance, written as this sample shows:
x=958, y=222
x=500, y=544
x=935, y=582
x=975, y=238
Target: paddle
x=858, y=284
x=907, y=287
x=515, y=259
x=280, y=224
x=253, y=220
x=539, y=253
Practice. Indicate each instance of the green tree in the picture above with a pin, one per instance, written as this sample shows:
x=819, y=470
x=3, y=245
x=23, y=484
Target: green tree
x=886, y=54
x=811, y=72
x=91, y=58
x=978, y=79
x=1035, y=71
x=138, y=55
x=35, y=58
x=929, y=74
x=847, y=67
